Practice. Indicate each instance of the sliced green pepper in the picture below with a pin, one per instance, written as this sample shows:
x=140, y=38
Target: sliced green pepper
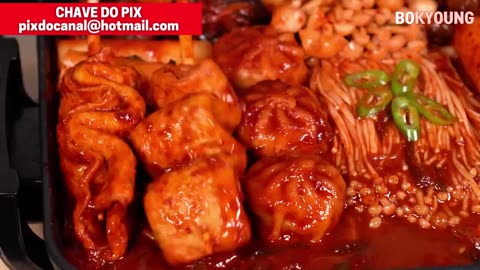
x=374, y=101
x=406, y=118
x=404, y=77
x=433, y=111
x=367, y=79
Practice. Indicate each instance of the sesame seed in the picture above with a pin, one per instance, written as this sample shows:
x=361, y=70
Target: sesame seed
x=351, y=192
x=399, y=212
x=381, y=189
x=365, y=191
x=412, y=219
x=375, y=223
x=375, y=210
x=424, y=224
x=440, y=220
x=421, y=209
x=350, y=202
x=454, y=221
x=389, y=209
x=442, y=196
x=393, y=179
x=354, y=184
x=458, y=194
x=385, y=202
x=406, y=186
x=401, y=195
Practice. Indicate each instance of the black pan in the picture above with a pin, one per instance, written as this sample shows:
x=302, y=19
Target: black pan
x=30, y=182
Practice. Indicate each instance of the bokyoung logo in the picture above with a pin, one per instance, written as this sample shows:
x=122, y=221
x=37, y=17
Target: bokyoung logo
x=102, y=19
x=437, y=17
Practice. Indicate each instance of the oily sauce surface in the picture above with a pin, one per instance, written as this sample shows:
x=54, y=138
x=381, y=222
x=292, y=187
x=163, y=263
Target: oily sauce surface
x=352, y=245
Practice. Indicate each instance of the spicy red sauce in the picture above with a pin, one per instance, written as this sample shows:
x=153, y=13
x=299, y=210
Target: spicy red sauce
x=396, y=244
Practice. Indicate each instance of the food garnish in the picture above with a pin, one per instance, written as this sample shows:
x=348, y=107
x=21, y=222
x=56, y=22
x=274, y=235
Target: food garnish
x=406, y=106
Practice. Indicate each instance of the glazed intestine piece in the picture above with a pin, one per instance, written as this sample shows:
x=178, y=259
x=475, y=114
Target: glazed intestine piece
x=191, y=157
x=184, y=131
x=196, y=210
x=194, y=204
x=175, y=81
x=295, y=195
x=250, y=55
x=279, y=119
x=99, y=106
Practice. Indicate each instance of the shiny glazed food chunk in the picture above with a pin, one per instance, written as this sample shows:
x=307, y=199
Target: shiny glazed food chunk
x=295, y=196
x=250, y=55
x=173, y=82
x=196, y=211
x=184, y=131
x=278, y=118
x=99, y=105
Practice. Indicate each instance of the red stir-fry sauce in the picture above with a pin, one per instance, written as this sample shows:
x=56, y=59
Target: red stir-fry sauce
x=352, y=245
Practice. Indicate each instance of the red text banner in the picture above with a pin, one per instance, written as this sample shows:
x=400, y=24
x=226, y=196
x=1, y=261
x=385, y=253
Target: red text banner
x=101, y=19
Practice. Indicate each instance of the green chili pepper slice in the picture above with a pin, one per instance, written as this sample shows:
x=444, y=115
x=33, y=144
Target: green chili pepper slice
x=367, y=79
x=404, y=77
x=433, y=111
x=406, y=118
x=374, y=101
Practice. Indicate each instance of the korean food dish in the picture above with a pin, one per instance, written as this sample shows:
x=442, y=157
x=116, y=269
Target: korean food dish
x=313, y=134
